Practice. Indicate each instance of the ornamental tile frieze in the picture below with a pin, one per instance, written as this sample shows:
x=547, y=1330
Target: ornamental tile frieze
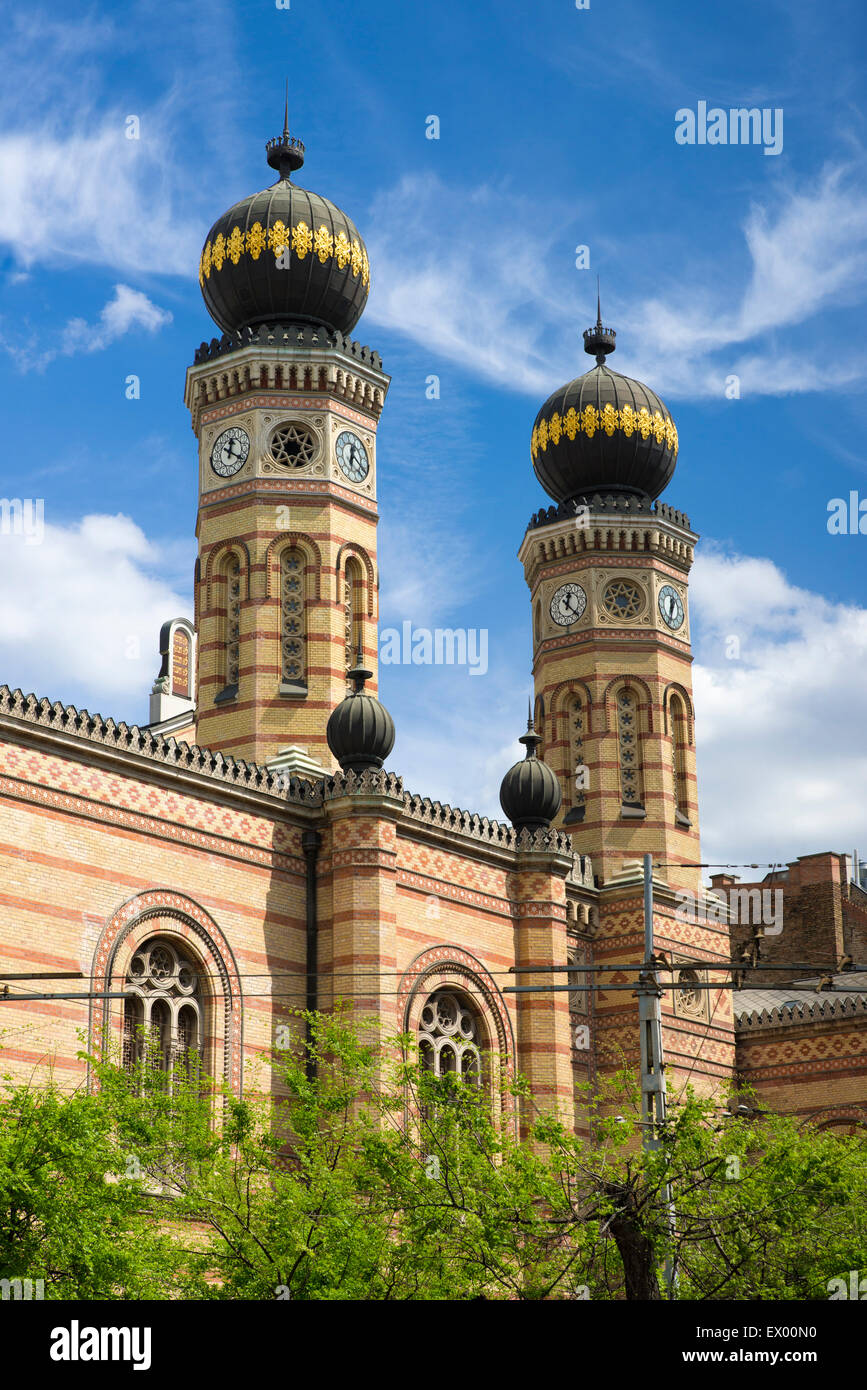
x=298, y=485
x=284, y=402
x=589, y=421
x=546, y=909
x=89, y=793
x=299, y=241
x=363, y=858
x=451, y=892
x=444, y=868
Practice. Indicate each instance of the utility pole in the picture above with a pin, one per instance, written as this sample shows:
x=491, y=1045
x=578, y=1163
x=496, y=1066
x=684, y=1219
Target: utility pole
x=653, y=1097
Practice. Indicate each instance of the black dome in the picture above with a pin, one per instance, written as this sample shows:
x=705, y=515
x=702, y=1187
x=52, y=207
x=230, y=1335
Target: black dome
x=530, y=792
x=603, y=432
x=360, y=731
x=322, y=275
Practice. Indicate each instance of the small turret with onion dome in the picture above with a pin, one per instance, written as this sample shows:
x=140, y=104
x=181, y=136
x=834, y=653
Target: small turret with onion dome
x=530, y=792
x=360, y=731
x=603, y=433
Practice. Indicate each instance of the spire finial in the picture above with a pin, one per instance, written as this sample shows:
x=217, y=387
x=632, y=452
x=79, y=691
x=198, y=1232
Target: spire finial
x=599, y=340
x=530, y=739
x=359, y=673
x=285, y=154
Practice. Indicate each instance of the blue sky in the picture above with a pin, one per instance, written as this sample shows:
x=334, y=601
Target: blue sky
x=556, y=130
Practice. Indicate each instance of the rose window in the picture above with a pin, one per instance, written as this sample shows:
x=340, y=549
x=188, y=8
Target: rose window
x=293, y=446
x=163, y=1020
x=449, y=1039
x=689, y=992
x=622, y=599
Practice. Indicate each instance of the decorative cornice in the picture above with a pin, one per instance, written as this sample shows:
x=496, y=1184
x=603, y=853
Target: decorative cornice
x=153, y=748
x=91, y=730
x=304, y=336
x=801, y=1012
x=621, y=505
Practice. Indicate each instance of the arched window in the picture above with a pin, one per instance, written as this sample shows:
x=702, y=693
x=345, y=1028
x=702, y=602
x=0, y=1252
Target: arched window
x=537, y=623
x=576, y=770
x=678, y=732
x=231, y=625
x=449, y=1037
x=631, y=775
x=293, y=623
x=163, y=1020
x=576, y=979
x=133, y=1025
x=353, y=594
x=181, y=672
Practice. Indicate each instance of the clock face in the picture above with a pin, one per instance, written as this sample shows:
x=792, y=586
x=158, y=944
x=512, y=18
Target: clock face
x=568, y=604
x=671, y=607
x=352, y=457
x=230, y=451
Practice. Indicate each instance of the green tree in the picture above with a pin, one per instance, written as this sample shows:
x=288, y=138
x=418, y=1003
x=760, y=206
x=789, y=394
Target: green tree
x=69, y=1214
x=373, y=1179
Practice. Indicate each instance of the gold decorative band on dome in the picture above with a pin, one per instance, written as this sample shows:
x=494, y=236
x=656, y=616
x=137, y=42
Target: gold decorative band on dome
x=279, y=238
x=587, y=421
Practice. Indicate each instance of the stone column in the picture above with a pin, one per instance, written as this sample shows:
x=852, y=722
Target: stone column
x=544, y=1044
x=362, y=810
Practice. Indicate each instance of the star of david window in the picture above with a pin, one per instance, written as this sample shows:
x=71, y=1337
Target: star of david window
x=630, y=756
x=449, y=1039
x=293, y=446
x=622, y=599
x=232, y=623
x=293, y=663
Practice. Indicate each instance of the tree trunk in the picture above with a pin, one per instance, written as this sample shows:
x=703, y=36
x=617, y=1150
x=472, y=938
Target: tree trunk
x=635, y=1248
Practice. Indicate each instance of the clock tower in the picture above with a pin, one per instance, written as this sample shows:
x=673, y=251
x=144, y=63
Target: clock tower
x=608, y=571
x=285, y=407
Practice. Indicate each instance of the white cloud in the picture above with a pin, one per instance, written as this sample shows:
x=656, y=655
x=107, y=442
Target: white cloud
x=82, y=611
x=483, y=290
x=112, y=200
x=127, y=310
x=472, y=290
x=779, y=725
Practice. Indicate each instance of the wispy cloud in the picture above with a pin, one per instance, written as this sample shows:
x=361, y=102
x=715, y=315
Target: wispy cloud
x=479, y=289
x=128, y=309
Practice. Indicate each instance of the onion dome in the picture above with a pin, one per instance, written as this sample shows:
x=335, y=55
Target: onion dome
x=530, y=792
x=603, y=432
x=284, y=255
x=360, y=731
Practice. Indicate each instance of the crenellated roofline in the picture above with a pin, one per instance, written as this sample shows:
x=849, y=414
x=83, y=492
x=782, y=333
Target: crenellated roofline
x=234, y=774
